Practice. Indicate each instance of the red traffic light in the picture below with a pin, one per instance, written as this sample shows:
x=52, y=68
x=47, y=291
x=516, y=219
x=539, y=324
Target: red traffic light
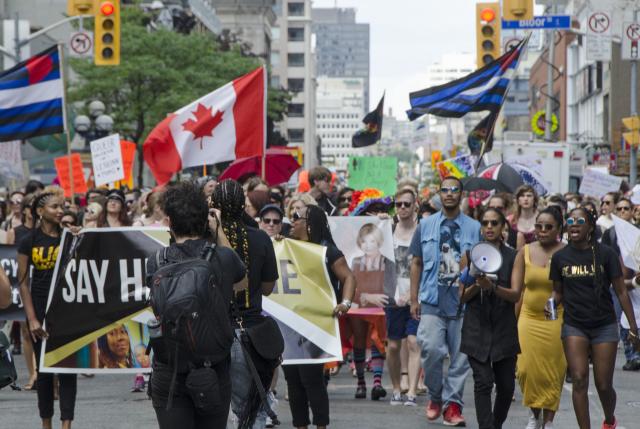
x=487, y=15
x=107, y=8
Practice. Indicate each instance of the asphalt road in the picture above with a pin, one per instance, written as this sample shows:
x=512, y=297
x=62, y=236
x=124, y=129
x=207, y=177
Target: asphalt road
x=106, y=402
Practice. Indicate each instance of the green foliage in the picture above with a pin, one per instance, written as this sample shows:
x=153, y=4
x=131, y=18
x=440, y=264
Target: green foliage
x=160, y=72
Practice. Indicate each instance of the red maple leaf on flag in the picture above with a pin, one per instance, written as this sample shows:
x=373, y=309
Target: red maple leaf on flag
x=204, y=124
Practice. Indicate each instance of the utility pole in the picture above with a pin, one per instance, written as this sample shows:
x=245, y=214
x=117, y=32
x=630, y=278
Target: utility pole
x=633, y=161
x=548, y=111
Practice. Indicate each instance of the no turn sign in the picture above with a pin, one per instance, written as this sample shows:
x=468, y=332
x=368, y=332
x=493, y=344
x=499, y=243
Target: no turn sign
x=81, y=44
x=598, y=43
x=631, y=41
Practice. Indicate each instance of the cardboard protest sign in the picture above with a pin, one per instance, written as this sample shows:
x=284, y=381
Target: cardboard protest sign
x=378, y=172
x=106, y=158
x=62, y=168
x=97, y=306
x=9, y=263
x=597, y=184
x=303, y=302
x=11, y=160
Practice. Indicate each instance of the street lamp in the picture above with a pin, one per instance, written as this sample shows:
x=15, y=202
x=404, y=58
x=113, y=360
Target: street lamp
x=96, y=126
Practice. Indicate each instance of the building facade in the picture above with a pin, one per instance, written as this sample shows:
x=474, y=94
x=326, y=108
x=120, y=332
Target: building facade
x=342, y=45
x=293, y=65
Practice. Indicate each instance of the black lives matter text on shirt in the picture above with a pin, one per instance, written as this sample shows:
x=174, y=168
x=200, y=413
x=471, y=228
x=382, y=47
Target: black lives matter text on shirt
x=586, y=306
x=42, y=250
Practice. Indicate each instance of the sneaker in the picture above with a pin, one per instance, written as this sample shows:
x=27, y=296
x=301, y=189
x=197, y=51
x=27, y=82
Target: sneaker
x=533, y=422
x=410, y=401
x=632, y=365
x=434, y=410
x=396, y=398
x=138, y=384
x=378, y=392
x=269, y=423
x=453, y=416
x=610, y=426
x=361, y=392
x=548, y=425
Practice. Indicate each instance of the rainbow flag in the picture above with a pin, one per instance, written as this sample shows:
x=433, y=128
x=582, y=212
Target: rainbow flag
x=460, y=166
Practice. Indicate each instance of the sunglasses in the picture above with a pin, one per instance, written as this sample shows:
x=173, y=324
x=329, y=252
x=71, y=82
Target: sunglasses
x=451, y=190
x=272, y=221
x=345, y=199
x=296, y=216
x=625, y=208
x=490, y=222
x=544, y=226
x=576, y=221
x=17, y=202
x=606, y=202
x=500, y=208
x=404, y=204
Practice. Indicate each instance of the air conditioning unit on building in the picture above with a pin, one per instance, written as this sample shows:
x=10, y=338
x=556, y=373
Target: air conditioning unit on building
x=517, y=136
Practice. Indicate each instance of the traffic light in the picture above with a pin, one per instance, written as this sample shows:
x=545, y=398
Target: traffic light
x=517, y=10
x=632, y=136
x=487, y=33
x=79, y=7
x=107, y=33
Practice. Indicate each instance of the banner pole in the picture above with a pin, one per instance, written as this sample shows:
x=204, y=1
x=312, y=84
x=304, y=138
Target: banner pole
x=65, y=118
x=204, y=170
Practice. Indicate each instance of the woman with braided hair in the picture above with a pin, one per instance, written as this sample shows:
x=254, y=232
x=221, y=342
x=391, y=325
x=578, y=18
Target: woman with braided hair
x=256, y=251
x=581, y=274
x=39, y=250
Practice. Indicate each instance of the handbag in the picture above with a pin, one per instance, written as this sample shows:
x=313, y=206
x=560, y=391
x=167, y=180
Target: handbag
x=204, y=390
x=267, y=340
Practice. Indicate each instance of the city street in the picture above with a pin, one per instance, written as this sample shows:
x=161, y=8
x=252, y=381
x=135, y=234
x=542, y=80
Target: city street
x=105, y=402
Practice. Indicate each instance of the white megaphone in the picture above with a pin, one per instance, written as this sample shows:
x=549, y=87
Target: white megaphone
x=485, y=259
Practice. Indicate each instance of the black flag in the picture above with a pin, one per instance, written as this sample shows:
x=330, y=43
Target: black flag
x=482, y=134
x=373, y=128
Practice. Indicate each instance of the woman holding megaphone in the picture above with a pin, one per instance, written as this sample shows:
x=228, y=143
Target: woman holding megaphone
x=489, y=330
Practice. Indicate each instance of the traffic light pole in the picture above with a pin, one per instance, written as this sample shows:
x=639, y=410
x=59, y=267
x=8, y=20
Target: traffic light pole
x=548, y=111
x=633, y=155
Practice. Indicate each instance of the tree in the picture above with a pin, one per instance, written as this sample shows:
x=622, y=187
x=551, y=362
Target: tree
x=160, y=72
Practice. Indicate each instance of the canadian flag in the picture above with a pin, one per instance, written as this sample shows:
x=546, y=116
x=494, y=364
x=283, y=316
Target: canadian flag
x=226, y=124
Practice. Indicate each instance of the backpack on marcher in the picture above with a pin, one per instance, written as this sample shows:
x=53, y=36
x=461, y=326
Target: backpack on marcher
x=8, y=374
x=193, y=313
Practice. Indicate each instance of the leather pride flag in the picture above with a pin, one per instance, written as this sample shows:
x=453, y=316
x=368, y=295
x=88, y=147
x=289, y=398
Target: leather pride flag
x=98, y=286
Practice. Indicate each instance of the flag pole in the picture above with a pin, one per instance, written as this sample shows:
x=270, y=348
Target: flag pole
x=204, y=170
x=65, y=118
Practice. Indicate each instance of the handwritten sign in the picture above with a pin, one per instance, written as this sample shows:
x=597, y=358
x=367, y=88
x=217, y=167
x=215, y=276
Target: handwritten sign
x=378, y=172
x=596, y=183
x=106, y=157
x=11, y=160
x=62, y=168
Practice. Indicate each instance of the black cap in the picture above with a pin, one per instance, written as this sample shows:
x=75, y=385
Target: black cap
x=271, y=207
x=116, y=194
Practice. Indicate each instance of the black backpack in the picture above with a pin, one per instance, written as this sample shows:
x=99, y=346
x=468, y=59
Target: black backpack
x=193, y=313
x=8, y=374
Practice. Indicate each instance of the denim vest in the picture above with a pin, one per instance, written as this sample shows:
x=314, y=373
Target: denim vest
x=430, y=243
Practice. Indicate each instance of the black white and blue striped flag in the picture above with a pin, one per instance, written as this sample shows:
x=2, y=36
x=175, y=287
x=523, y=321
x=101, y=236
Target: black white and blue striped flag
x=31, y=97
x=483, y=89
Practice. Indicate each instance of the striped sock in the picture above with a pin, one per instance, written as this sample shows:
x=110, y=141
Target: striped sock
x=359, y=357
x=377, y=364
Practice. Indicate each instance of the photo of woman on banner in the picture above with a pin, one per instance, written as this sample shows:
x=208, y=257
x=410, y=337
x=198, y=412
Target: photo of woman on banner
x=114, y=349
x=375, y=273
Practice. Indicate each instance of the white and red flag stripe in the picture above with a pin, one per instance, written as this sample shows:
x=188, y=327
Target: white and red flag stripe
x=226, y=124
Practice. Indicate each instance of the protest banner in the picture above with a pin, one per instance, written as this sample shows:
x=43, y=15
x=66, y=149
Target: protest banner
x=62, y=168
x=106, y=158
x=9, y=263
x=460, y=166
x=378, y=172
x=628, y=236
x=597, y=184
x=11, y=160
x=97, y=305
x=303, y=302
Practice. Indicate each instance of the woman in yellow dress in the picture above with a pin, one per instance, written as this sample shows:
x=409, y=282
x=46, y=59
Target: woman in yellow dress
x=541, y=364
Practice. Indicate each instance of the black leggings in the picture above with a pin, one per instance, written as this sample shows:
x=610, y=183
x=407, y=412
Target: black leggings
x=68, y=387
x=307, y=388
x=485, y=375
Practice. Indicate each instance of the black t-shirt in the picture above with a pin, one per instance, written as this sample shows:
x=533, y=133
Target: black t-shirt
x=20, y=233
x=584, y=307
x=231, y=268
x=262, y=268
x=332, y=255
x=42, y=250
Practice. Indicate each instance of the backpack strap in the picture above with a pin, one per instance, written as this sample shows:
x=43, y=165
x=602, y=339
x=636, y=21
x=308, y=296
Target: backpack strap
x=161, y=257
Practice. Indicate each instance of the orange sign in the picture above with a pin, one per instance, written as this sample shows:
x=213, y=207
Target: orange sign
x=62, y=168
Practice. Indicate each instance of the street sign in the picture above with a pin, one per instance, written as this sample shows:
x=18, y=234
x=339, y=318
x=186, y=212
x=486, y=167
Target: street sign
x=540, y=23
x=631, y=41
x=81, y=44
x=599, y=36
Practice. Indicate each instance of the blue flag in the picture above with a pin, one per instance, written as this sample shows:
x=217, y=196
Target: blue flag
x=481, y=90
x=31, y=98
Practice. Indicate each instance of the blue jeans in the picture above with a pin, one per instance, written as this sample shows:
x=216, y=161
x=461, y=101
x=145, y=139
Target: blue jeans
x=630, y=352
x=241, y=382
x=439, y=337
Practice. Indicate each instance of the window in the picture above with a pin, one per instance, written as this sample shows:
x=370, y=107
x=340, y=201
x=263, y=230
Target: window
x=296, y=110
x=295, y=85
x=296, y=135
x=295, y=60
x=296, y=34
x=275, y=58
x=296, y=9
x=275, y=81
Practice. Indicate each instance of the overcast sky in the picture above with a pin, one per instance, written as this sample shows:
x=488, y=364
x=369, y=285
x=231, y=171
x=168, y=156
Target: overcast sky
x=406, y=37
